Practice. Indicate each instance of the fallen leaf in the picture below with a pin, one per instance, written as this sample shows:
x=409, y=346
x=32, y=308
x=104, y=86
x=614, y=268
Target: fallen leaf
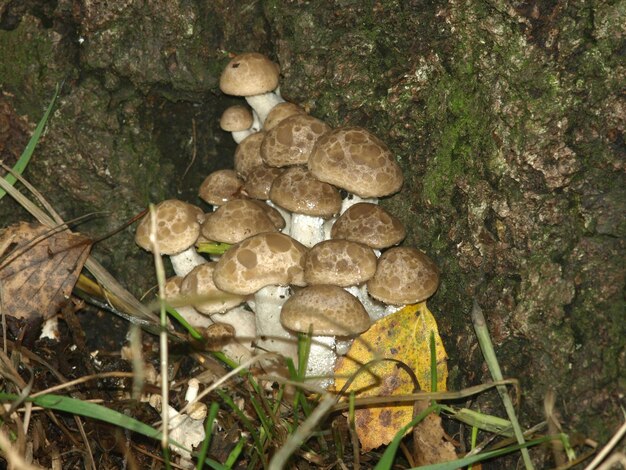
x=39, y=268
x=403, y=336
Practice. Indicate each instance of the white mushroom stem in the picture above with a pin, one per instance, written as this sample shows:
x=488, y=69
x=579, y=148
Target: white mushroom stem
x=185, y=261
x=322, y=358
x=264, y=103
x=374, y=308
x=267, y=304
x=307, y=229
x=242, y=320
x=256, y=126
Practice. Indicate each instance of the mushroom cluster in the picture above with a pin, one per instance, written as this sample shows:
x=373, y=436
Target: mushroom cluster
x=310, y=249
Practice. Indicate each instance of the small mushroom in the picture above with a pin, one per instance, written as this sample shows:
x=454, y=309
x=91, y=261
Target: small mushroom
x=255, y=77
x=279, y=112
x=220, y=186
x=248, y=154
x=237, y=220
x=177, y=229
x=239, y=121
x=327, y=312
x=341, y=263
x=404, y=276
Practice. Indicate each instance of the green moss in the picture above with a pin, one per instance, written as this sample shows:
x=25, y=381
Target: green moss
x=461, y=136
x=28, y=59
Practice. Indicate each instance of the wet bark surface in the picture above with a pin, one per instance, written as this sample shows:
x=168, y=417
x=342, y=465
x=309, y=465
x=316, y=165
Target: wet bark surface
x=507, y=119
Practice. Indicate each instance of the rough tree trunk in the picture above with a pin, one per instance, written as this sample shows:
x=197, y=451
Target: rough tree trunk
x=507, y=118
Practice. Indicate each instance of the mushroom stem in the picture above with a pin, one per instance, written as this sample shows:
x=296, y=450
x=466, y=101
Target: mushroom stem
x=185, y=261
x=267, y=304
x=307, y=229
x=264, y=103
x=322, y=358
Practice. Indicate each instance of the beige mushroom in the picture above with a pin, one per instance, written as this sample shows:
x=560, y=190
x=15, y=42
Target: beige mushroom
x=309, y=200
x=222, y=307
x=327, y=312
x=265, y=265
x=248, y=154
x=341, y=263
x=353, y=159
x=369, y=224
x=279, y=112
x=237, y=220
x=220, y=187
x=255, y=77
x=177, y=229
x=239, y=121
x=404, y=276
x=291, y=141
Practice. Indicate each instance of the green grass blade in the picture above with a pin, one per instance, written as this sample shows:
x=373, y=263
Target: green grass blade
x=484, y=340
x=386, y=461
x=235, y=453
x=22, y=162
x=100, y=413
x=208, y=428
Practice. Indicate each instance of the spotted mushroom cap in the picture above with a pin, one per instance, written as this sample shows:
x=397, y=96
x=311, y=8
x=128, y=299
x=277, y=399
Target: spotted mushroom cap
x=299, y=192
x=220, y=186
x=248, y=154
x=369, y=224
x=273, y=214
x=199, y=288
x=249, y=74
x=235, y=221
x=353, y=159
x=236, y=118
x=339, y=262
x=279, y=112
x=177, y=227
x=327, y=310
x=290, y=142
x=259, y=181
x=259, y=261
x=404, y=276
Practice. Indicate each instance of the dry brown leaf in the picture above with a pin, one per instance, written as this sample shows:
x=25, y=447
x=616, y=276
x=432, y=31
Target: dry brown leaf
x=430, y=444
x=39, y=268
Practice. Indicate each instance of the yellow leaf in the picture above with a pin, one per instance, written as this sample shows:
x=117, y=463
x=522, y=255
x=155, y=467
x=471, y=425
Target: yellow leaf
x=403, y=336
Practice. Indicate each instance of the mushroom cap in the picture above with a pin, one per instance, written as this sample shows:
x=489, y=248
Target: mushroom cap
x=177, y=227
x=262, y=260
x=249, y=74
x=205, y=297
x=248, y=154
x=339, y=262
x=404, y=276
x=327, y=310
x=273, y=214
x=354, y=159
x=237, y=220
x=220, y=186
x=279, y=112
x=171, y=289
x=290, y=142
x=259, y=181
x=236, y=118
x=299, y=192
x=369, y=224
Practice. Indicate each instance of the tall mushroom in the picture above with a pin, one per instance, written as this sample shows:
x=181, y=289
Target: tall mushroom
x=255, y=77
x=327, y=312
